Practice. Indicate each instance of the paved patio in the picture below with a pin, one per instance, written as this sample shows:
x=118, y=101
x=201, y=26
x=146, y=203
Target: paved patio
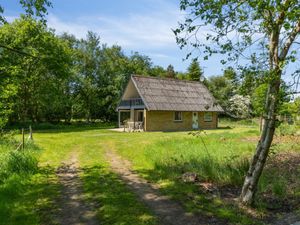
x=126, y=130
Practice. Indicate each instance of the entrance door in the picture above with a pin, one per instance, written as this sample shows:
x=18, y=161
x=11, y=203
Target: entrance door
x=140, y=116
x=195, y=124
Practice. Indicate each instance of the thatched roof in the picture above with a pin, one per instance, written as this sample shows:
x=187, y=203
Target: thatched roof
x=174, y=95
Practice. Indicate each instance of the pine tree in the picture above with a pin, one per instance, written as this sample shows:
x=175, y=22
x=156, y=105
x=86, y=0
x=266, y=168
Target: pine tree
x=194, y=71
x=170, y=72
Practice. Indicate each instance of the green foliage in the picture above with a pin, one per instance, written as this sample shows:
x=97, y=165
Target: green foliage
x=259, y=99
x=37, y=8
x=286, y=129
x=170, y=73
x=291, y=109
x=157, y=71
x=7, y=90
x=221, y=88
x=35, y=77
x=231, y=74
x=22, y=163
x=100, y=76
x=194, y=71
x=49, y=78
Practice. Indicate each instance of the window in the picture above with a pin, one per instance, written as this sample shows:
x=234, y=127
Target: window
x=208, y=117
x=177, y=116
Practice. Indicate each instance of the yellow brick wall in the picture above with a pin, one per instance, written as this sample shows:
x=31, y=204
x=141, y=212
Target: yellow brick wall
x=208, y=125
x=164, y=121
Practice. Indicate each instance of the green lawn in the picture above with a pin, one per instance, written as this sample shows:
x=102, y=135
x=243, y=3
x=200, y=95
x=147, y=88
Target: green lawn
x=219, y=157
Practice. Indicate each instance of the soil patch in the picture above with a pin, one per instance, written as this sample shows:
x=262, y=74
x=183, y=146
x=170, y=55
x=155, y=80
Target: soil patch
x=73, y=209
x=278, y=139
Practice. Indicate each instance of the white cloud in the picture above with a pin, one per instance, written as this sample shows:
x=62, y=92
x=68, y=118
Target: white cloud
x=135, y=31
x=77, y=29
x=158, y=55
x=10, y=18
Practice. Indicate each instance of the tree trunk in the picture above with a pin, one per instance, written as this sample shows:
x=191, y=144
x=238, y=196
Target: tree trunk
x=255, y=170
x=261, y=123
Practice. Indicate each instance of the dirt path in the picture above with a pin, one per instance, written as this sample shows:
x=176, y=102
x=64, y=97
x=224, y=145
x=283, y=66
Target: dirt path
x=289, y=219
x=167, y=211
x=73, y=209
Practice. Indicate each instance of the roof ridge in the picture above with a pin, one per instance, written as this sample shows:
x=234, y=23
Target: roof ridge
x=166, y=78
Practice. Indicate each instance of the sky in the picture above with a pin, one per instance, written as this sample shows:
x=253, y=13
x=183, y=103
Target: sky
x=144, y=26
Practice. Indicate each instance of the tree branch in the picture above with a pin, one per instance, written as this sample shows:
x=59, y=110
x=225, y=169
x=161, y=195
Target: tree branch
x=17, y=51
x=289, y=41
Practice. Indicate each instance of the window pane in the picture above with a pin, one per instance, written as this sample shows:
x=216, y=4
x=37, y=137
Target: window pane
x=208, y=116
x=178, y=116
x=140, y=116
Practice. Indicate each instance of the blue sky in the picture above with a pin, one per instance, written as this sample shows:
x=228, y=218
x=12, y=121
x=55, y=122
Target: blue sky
x=136, y=25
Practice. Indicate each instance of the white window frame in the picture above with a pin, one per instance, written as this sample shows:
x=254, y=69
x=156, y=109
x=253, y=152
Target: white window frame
x=180, y=116
x=208, y=116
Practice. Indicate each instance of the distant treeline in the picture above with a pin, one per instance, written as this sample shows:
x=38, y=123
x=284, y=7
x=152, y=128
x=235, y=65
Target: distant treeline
x=49, y=78
x=45, y=77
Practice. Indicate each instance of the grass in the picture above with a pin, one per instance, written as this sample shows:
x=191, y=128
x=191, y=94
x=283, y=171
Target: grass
x=159, y=157
x=24, y=187
x=32, y=198
x=163, y=157
x=115, y=202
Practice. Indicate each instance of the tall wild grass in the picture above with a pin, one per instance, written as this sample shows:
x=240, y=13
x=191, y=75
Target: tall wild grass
x=221, y=158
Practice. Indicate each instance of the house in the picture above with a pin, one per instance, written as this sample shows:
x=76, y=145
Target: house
x=163, y=104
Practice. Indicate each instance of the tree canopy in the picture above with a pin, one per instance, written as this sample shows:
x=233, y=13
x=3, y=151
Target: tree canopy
x=45, y=77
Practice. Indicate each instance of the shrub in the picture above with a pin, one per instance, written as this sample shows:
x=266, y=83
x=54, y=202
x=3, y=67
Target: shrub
x=7, y=138
x=286, y=129
x=21, y=163
x=279, y=187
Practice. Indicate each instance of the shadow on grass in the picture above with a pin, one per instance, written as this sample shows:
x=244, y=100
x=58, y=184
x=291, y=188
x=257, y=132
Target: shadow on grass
x=61, y=127
x=72, y=129
x=116, y=203
x=183, y=131
x=224, y=128
x=29, y=199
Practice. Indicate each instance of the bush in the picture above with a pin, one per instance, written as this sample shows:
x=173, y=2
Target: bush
x=286, y=129
x=21, y=163
x=7, y=138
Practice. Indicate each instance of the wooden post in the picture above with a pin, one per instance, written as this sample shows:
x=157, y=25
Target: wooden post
x=30, y=133
x=23, y=139
x=133, y=120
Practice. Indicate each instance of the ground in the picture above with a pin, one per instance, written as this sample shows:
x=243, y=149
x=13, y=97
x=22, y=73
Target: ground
x=98, y=176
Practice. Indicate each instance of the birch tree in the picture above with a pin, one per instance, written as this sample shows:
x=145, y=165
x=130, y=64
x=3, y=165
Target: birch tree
x=260, y=31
